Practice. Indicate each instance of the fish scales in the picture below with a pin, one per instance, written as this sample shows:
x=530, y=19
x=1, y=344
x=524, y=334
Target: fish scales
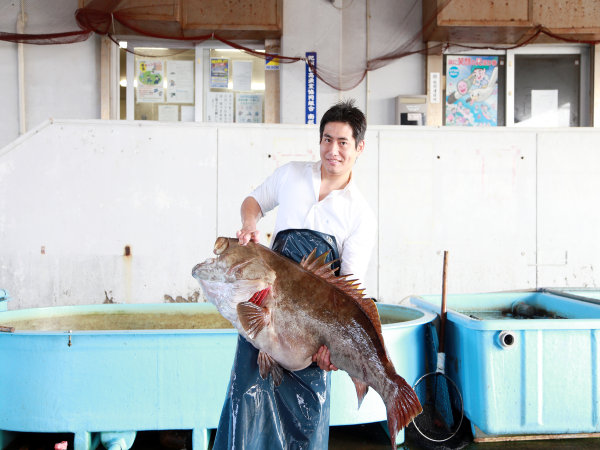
x=288, y=310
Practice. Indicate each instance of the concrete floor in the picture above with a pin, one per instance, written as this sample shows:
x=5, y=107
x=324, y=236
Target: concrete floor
x=357, y=437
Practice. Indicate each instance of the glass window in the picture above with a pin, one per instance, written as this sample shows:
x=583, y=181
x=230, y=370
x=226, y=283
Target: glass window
x=191, y=84
x=538, y=85
x=234, y=86
x=163, y=84
x=547, y=90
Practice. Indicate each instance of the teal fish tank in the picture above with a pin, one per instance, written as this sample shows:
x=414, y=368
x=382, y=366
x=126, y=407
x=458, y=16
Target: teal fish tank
x=526, y=362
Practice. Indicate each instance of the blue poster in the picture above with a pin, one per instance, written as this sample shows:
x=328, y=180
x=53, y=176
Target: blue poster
x=311, y=88
x=472, y=91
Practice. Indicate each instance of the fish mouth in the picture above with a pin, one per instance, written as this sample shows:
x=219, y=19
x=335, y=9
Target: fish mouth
x=199, y=271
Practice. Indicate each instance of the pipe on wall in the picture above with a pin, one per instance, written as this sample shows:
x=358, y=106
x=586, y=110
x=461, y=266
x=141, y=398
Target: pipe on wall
x=21, y=21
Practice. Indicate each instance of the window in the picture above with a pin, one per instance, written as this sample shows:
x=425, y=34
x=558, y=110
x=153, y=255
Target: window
x=234, y=86
x=551, y=86
x=530, y=86
x=200, y=83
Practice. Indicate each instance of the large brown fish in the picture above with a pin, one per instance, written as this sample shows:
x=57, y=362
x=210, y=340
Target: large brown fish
x=288, y=310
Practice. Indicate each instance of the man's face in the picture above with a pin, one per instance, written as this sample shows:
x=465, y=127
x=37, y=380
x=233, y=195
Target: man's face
x=338, y=149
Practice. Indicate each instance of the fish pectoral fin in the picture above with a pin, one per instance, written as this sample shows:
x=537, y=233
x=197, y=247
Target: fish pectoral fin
x=253, y=318
x=245, y=289
x=266, y=365
x=361, y=389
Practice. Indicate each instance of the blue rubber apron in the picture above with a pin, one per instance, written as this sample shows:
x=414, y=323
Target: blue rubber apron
x=294, y=415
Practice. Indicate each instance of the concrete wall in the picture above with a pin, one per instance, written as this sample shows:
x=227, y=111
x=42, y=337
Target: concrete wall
x=515, y=208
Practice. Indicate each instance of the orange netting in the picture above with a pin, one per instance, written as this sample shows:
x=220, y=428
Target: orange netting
x=367, y=46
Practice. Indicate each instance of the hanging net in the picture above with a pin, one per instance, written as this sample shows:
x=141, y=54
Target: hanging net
x=370, y=38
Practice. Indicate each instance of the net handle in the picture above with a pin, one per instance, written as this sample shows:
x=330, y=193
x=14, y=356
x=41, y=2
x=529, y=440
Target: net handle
x=443, y=312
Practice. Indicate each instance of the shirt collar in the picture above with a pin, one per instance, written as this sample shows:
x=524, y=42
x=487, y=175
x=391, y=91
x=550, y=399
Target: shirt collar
x=316, y=176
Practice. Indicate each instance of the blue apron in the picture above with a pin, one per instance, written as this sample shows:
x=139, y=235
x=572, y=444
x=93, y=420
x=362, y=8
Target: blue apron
x=294, y=415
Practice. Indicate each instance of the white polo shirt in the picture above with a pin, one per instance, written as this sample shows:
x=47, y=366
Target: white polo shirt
x=344, y=213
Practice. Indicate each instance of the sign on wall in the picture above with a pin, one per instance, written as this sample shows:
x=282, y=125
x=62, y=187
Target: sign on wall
x=311, y=89
x=472, y=91
x=150, y=76
x=219, y=73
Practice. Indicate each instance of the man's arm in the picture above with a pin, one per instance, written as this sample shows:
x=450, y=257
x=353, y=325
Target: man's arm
x=251, y=214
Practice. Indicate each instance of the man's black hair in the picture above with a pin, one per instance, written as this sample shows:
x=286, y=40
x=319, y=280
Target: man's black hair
x=346, y=112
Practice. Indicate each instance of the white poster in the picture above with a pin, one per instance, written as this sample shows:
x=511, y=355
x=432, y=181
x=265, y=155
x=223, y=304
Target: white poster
x=168, y=113
x=242, y=75
x=150, y=78
x=248, y=108
x=180, y=81
x=188, y=113
x=219, y=107
x=544, y=108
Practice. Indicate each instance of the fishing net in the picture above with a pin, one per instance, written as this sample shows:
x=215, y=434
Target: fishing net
x=371, y=36
x=439, y=396
x=33, y=22
x=442, y=404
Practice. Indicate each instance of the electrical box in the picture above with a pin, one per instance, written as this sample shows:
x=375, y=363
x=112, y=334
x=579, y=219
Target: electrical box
x=411, y=109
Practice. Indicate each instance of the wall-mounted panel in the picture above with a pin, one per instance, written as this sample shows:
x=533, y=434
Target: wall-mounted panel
x=515, y=208
x=101, y=211
x=471, y=193
x=568, y=213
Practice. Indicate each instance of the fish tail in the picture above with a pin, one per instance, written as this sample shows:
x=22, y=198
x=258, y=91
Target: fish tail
x=402, y=407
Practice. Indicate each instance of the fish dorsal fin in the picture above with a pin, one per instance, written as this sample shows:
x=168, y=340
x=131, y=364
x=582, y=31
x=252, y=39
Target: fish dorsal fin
x=318, y=266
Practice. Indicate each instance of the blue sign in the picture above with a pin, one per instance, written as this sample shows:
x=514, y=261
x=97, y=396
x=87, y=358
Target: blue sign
x=311, y=88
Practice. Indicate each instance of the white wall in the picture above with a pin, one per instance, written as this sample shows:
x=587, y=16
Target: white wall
x=9, y=112
x=340, y=38
x=515, y=208
x=63, y=81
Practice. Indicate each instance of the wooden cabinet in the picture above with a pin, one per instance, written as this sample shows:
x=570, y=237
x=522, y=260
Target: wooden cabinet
x=229, y=19
x=509, y=21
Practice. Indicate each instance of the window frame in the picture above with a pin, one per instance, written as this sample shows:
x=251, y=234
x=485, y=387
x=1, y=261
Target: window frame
x=583, y=50
x=199, y=68
x=551, y=49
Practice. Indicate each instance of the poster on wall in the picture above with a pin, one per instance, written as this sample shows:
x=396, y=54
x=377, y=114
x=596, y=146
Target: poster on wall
x=219, y=107
x=168, y=113
x=248, y=108
x=242, y=75
x=219, y=73
x=150, y=77
x=472, y=91
x=180, y=81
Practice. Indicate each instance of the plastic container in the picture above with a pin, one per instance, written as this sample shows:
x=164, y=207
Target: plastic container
x=138, y=377
x=533, y=375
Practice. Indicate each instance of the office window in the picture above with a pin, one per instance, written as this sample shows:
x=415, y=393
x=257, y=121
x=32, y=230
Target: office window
x=537, y=86
x=201, y=83
x=234, y=86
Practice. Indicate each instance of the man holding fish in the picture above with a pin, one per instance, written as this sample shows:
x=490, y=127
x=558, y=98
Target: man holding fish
x=320, y=207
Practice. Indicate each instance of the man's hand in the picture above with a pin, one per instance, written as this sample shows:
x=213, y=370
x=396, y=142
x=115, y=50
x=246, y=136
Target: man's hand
x=322, y=359
x=251, y=213
x=245, y=236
